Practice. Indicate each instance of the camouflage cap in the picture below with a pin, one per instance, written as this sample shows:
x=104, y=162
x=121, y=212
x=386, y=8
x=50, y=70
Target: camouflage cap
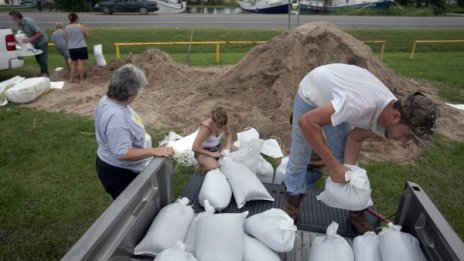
x=421, y=113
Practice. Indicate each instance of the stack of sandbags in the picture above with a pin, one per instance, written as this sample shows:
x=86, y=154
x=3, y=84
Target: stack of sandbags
x=7, y=84
x=28, y=90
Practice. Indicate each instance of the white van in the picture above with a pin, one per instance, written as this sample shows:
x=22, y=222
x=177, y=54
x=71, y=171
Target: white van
x=10, y=57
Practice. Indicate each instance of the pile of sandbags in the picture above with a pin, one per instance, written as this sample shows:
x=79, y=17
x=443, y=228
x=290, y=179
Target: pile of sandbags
x=21, y=90
x=178, y=234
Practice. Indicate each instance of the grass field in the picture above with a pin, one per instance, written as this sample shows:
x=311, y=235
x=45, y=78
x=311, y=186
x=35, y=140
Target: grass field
x=49, y=191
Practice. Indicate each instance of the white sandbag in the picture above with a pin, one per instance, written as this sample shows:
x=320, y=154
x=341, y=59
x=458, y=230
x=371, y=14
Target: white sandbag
x=245, y=185
x=396, y=245
x=98, y=53
x=28, y=90
x=274, y=228
x=280, y=171
x=170, y=225
x=331, y=247
x=272, y=149
x=249, y=134
x=249, y=153
x=220, y=237
x=366, y=247
x=264, y=170
x=19, y=37
x=177, y=253
x=257, y=251
x=7, y=84
x=216, y=189
x=182, y=147
x=353, y=195
x=192, y=232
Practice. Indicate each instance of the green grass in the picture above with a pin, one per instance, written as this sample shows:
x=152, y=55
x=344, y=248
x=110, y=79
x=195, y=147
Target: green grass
x=49, y=190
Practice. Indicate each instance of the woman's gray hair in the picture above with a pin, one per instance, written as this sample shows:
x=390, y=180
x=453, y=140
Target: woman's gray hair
x=126, y=82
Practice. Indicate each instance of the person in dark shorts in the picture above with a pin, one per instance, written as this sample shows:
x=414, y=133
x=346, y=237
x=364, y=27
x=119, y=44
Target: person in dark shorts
x=75, y=35
x=124, y=147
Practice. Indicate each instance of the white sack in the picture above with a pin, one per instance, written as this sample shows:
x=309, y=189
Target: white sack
x=272, y=148
x=250, y=134
x=257, y=251
x=396, y=245
x=331, y=247
x=28, y=90
x=182, y=147
x=366, y=247
x=353, y=195
x=192, y=232
x=264, y=170
x=249, y=153
x=19, y=37
x=280, y=171
x=216, y=189
x=170, y=225
x=176, y=253
x=245, y=185
x=7, y=84
x=220, y=237
x=274, y=228
x=98, y=53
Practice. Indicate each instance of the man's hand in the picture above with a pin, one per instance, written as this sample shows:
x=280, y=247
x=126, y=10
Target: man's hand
x=164, y=152
x=26, y=40
x=337, y=174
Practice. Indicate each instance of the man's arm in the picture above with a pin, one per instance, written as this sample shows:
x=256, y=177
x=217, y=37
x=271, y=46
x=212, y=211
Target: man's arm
x=311, y=125
x=354, y=141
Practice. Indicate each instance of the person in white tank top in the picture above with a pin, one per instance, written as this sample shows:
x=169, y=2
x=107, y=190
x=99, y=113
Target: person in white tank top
x=207, y=145
x=337, y=107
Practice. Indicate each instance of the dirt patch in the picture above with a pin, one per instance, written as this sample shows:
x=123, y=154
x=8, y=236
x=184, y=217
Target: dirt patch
x=258, y=91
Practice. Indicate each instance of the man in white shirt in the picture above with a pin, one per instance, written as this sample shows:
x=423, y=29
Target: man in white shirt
x=337, y=107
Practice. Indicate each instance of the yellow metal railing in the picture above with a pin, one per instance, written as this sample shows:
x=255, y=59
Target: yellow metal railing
x=382, y=47
x=414, y=44
x=217, y=43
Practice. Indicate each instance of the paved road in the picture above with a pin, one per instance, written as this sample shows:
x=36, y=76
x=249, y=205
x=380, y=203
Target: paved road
x=249, y=21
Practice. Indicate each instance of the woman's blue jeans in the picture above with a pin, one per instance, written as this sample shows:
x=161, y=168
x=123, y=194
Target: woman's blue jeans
x=299, y=176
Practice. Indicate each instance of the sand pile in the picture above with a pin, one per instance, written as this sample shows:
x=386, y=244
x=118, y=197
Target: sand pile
x=258, y=91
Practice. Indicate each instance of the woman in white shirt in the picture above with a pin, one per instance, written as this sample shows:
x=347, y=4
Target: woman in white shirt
x=207, y=146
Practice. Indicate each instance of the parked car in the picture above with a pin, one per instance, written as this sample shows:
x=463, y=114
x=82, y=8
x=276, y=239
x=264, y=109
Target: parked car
x=141, y=6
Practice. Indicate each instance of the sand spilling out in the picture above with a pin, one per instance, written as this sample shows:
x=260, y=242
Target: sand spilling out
x=258, y=91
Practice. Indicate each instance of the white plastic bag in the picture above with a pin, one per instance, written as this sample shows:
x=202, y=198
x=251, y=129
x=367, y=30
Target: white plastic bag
x=7, y=84
x=182, y=147
x=192, y=232
x=170, y=225
x=245, y=185
x=19, y=37
x=220, y=237
x=28, y=90
x=249, y=153
x=176, y=253
x=216, y=189
x=98, y=53
x=353, y=195
x=274, y=228
x=366, y=247
x=280, y=171
x=257, y=251
x=331, y=247
x=396, y=245
x=264, y=170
